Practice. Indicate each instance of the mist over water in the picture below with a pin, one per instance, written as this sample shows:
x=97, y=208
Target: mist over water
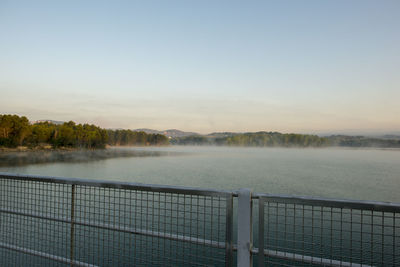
x=366, y=174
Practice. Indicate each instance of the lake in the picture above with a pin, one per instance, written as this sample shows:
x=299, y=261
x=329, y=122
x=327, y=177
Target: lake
x=364, y=174
x=331, y=233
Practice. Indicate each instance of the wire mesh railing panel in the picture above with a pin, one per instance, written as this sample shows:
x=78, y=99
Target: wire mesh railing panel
x=13, y=258
x=24, y=225
x=298, y=234
x=118, y=227
x=55, y=222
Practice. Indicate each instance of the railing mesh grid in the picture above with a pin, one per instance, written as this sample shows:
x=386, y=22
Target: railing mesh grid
x=313, y=235
x=146, y=228
x=29, y=232
x=100, y=226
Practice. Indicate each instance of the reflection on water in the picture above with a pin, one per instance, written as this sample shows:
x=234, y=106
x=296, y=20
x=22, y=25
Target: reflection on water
x=35, y=157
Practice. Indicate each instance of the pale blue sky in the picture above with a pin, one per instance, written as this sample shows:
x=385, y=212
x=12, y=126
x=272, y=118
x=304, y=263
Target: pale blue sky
x=289, y=66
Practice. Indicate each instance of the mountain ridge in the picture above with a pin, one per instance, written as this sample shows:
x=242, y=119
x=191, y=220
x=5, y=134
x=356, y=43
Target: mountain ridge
x=173, y=133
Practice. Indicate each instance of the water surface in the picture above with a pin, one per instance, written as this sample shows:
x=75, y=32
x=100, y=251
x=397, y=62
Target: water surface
x=368, y=174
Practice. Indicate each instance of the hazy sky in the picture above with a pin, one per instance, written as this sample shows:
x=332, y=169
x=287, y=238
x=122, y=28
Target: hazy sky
x=289, y=66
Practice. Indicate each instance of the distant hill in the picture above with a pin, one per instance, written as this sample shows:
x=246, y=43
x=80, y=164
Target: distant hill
x=222, y=134
x=177, y=133
x=49, y=121
x=390, y=136
x=173, y=133
x=149, y=131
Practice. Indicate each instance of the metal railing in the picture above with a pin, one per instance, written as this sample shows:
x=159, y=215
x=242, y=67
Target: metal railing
x=78, y=222
x=319, y=231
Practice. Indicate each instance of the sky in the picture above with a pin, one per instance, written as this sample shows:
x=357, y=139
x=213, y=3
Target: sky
x=204, y=66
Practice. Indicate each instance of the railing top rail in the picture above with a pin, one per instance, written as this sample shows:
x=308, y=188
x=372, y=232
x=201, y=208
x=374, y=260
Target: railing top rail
x=331, y=202
x=118, y=185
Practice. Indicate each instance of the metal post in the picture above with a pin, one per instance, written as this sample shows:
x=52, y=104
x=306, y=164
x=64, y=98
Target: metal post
x=261, y=232
x=72, y=225
x=245, y=240
x=229, y=232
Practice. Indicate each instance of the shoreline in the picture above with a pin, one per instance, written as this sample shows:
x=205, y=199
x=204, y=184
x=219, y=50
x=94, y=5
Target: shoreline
x=49, y=148
x=38, y=148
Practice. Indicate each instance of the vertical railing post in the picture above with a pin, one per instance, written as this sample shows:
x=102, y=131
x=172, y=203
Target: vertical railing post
x=72, y=225
x=261, y=232
x=245, y=240
x=229, y=231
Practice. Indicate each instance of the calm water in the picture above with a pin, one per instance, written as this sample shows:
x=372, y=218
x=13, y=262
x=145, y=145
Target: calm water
x=371, y=174
x=342, y=173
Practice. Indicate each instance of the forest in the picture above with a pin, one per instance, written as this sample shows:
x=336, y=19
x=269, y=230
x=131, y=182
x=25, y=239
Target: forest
x=18, y=131
x=276, y=139
x=134, y=138
x=258, y=139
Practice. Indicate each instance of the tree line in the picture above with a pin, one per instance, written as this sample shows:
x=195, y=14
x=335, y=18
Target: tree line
x=258, y=139
x=275, y=139
x=272, y=139
x=362, y=141
x=18, y=131
x=134, y=138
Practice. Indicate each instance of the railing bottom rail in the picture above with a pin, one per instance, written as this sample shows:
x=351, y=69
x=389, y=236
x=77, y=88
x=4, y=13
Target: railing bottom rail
x=45, y=255
x=307, y=259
